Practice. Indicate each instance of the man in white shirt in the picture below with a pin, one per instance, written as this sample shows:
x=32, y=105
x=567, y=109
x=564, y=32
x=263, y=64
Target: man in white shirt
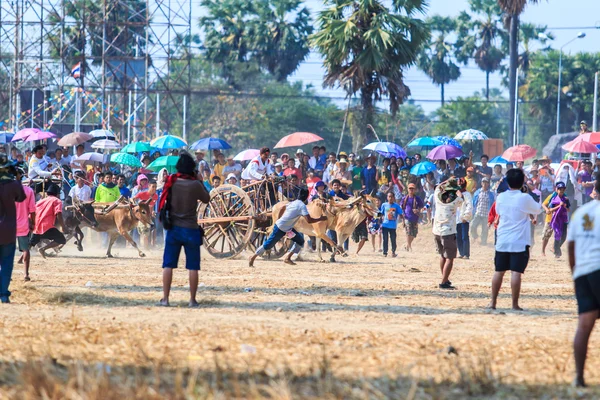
x=516, y=211
x=448, y=199
x=75, y=165
x=38, y=165
x=584, y=260
x=292, y=212
x=259, y=167
x=80, y=190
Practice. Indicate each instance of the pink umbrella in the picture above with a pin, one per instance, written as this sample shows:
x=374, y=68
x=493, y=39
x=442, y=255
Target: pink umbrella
x=24, y=133
x=246, y=155
x=579, y=145
x=444, y=152
x=519, y=152
x=41, y=135
x=297, y=139
x=592, y=137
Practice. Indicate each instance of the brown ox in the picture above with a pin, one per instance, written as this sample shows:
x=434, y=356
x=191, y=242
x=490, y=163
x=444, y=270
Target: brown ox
x=122, y=220
x=343, y=216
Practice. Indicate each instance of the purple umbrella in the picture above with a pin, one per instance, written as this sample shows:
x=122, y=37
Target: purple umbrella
x=41, y=135
x=444, y=152
x=24, y=133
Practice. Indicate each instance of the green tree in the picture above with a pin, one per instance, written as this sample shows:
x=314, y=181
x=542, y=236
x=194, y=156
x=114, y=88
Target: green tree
x=366, y=45
x=482, y=38
x=437, y=57
x=513, y=10
x=245, y=34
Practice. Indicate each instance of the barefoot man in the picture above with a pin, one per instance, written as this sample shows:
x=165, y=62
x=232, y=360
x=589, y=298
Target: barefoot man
x=514, y=209
x=584, y=253
x=293, y=211
x=48, y=211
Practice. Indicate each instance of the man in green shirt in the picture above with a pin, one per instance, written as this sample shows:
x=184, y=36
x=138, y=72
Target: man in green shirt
x=356, y=169
x=107, y=191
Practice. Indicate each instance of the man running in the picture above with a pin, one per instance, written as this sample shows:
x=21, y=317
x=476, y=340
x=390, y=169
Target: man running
x=48, y=211
x=515, y=211
x=584, y=253
x=285, y=226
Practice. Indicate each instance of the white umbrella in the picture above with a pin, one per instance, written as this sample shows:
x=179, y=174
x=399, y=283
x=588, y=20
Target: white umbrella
x=102, y=133
x=106, y=144
x=246, y=155
x=91, y=158
x=471, y=134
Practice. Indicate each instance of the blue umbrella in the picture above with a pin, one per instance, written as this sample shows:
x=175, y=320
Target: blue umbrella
x=450, y=141
x=168, y=142
x=425, y=141
x=210, y=144
x=498, y=160
x=6, y=137
x=386, y=149
x=423, y=168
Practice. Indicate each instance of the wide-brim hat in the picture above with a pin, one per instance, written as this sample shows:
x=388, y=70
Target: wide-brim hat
x=342, y=161
x=545, y=158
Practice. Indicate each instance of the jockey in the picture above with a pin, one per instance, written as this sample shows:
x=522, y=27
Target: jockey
x=259, y=167
x=38, y=165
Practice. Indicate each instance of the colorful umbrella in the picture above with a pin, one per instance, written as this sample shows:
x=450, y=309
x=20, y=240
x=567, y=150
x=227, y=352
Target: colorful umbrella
x=91, y=158
x=247, y=155
x=471, y=134
x=102, y=133
x=210, y=144
x=297, y=139
x=40, y=135
x=106, y=144
x=498, y=160
x=450, y=141
x=592, y=137
x=125, y=159
x=23, y=133
x=424, y=141
x=136, y=147
x=444, y=152
x=386, y=149
x=167, y=162
x=73, y=139
x=423, y=168
x=168, y=142
x=6, y=137
x=520, y=152
x=579, y=145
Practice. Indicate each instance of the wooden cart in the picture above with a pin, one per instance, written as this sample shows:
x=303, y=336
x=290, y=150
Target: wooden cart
x=237, y=218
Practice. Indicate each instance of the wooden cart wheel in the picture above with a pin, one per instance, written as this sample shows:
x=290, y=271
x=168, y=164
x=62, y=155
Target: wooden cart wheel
x=261, y=232
x=228, y=221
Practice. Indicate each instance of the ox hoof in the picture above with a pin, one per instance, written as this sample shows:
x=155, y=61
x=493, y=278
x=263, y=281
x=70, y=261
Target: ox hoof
x=332, y=259
x=345, y=255
x=109, y=256
x=142, y=255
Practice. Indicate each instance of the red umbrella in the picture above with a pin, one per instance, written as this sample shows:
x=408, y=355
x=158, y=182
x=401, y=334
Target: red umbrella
x=592, y=137
x=579, y=145
x=297, y=139
x=520, y=152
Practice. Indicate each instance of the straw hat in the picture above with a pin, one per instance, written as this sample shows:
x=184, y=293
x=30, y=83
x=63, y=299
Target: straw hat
x=342, y=161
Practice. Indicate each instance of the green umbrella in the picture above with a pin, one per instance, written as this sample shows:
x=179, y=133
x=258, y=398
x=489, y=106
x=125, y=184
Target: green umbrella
x=167, y=162
x=125, y=159
x=136, y=147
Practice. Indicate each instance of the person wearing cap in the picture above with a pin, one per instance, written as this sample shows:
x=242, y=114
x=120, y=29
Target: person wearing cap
x=557, y=207
x=515, y=211
x=583, y=127
x=232, y=179
x=201, y=162
x=369, y=176
x=278, y=169
x=25, y=222
x=232, y=167
x=584, y=252
x=448, y=199
x=482, y=203
x=299, y=157
x=411, y=208
x=11, y=192
x=48, y=211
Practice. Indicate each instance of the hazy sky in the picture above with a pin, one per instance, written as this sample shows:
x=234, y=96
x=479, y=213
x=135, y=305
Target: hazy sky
x=577, y=15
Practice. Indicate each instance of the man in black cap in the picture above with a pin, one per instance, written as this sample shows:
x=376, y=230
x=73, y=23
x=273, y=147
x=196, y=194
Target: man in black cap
x=48, y=211
x=11, y=191
x=583, y=127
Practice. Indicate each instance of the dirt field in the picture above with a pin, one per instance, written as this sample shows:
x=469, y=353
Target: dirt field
x=365, y=327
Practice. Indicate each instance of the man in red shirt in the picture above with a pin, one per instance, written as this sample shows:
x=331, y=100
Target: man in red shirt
x=49, y=211
x=25, y=223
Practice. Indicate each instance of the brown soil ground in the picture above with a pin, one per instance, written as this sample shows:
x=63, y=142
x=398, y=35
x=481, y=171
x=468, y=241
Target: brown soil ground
x=365, y=327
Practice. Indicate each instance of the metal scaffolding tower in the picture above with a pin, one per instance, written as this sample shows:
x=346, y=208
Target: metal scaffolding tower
x=99, y=63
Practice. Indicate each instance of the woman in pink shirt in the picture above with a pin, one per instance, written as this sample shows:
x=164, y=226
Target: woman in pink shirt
x=25, y=222
x=292, y=170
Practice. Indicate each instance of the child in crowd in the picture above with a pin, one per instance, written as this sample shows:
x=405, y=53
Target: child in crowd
x=391, y=213
x=374, y=227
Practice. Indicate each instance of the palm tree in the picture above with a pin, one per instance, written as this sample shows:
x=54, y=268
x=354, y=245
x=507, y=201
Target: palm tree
x=528, y=33
x=366, y=45
x=437, y=59
x=482, y=39
x=513, y=10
